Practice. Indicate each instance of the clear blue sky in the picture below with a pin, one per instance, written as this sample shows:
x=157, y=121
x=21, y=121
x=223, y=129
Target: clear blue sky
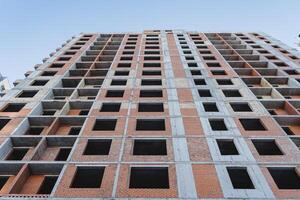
x=31, y=29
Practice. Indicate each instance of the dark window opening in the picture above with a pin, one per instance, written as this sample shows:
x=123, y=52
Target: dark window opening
x=151, y=93
x=3, y=123
x=74, y=131
x=285, y=177
x=17, y=154
x=192, y=65
x=27, y=94
x=252, y=125
x=124, y=65
x=196, y=72
x=151, y=82
x=3, y=180
x=105, y=125
x=213, y=64
x=114, y=93
x=149, y=147
x=150, y=125
x=218, y=72
x=199, y=82
x=13, y=107
x=204, y=93
x=240, y=107
x=63, y=154
x=240, y=178
x=39, y=82
x=287, y=130
x=97, y=147
x=47, y=185
x=149, y=177
x=118, y=82
x=224, y=82
x=56, y=65
x=151, y=73
x=110, y=107
x=151, y=65
x=88, y=177
x=35, y=130
x=231, y=93
x=151, y=107
x=121, y=73
x=217, y=125
x=266, y=147
x=48, y=73
x=227, y=147
x=210, y=107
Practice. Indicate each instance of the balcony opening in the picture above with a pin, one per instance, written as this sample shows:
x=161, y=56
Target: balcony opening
x=252, y=125
x=105, y=125
x=13, y=107
x=110, y=107
x=150, y=125
x=149, y=178
x=285, y=177
x=88, y=177
x=97, y=147
x=227, y=147
x=217, y=125
x=266, y=147
x=149, y=147
x=240, y=107
x=240, y=178
x=150, y=107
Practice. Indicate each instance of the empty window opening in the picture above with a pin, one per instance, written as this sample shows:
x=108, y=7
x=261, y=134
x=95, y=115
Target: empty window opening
x=199, y=82
x=149, y=147
x=151, y=82
x=126, y=58
x=3, y=180
x=39, y=82
x=105, y=125
x=110, y=107
x=252, y=124
x=213, y=64
x=240, y=178
x=118, y=82
x=13, y=107
x=88, y=177
x=151, y=93
x=210, y=107
x=151, y=107
x=17, y=154
x=124, y=65
x=114, y=93
x=57, y=65
x=121, y=73
x=149, y=177
x=227, y=147
x=47, y=185
x=204, y=93
x=217, y=125
x=285, y=177
x=151, y=73
x=287, y=130
x=196, y=72
x=74, y=131
x=48, y=73
x=266, y=147
x=150, y=125
x=152, y=58
x=49, y=112
x=192, y=65
x=218, y=72
x=27, y=94
x=63, y=154
x=97, y=147
x=151, y=65
x=231, y=93
x=35, y=130
x=224, y=82
x=84, y=112
x=240, y=107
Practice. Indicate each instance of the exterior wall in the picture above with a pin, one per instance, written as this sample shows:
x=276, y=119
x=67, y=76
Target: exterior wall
x=93, y=69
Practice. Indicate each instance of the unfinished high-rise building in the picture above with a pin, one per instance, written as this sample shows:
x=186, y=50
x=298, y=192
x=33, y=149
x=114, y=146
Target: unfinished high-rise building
x=158, y=114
